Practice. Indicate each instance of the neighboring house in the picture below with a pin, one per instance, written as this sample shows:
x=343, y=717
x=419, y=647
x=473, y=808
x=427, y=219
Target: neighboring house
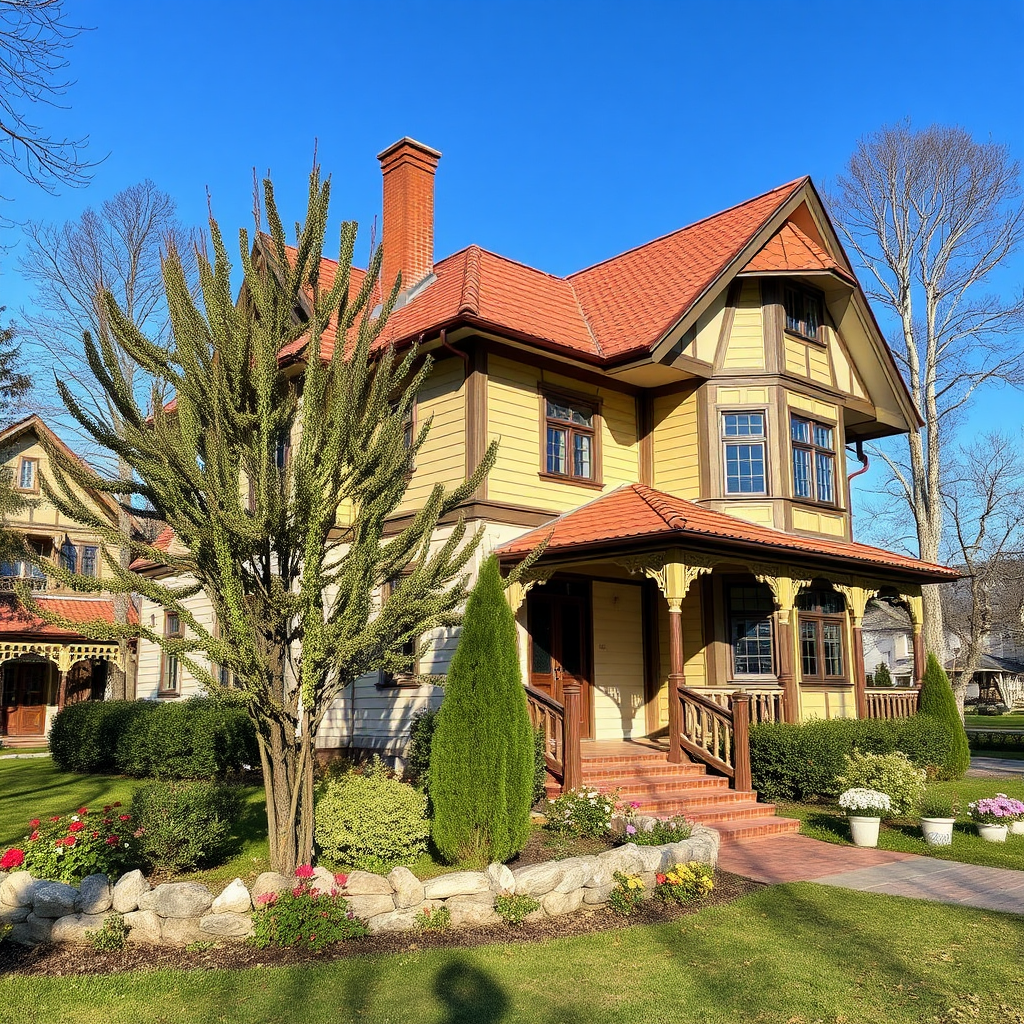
x=43, y=667
x=676, y=421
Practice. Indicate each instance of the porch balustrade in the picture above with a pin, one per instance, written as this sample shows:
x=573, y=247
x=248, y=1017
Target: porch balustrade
x=715, y=735
x=559, y=725
x=766, y=705
x=892, y=703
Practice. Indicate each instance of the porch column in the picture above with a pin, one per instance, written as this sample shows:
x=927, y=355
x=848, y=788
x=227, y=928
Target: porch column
x=785, y=586
x=63, y=667
x=857, y=598
x=915, y=606
x=572, y=760
x=676, y=678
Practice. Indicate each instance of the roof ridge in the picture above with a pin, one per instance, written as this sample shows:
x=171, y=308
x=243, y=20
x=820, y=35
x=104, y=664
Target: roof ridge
x=791, y=185
x=470, y=298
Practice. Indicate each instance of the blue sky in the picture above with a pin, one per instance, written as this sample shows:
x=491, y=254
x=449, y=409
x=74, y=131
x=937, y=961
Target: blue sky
x=570, y=131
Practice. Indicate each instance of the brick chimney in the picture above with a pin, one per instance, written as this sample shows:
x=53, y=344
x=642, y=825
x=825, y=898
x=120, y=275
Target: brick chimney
x=408, y=232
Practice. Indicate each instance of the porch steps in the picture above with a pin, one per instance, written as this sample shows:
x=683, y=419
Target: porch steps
x=665, y=789
x=16, y=742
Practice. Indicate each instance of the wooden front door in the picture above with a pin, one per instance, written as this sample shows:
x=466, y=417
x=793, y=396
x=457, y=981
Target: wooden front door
x=558, y=620
x=24, y=697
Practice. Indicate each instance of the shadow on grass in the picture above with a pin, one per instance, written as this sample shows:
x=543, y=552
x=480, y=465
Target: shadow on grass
x=469, y=994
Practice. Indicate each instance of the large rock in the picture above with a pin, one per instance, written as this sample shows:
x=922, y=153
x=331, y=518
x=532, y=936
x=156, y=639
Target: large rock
x=233, y=900
x=626, y=859
x=408, y=889
x=128, y=890
x=555, y=904
x=228, y=926
x=365, y=883
x=322, y=880
x=402, y=920
x=13, y=915
x=271, y=881
x=33, y=931
x=538, y=879
x=73, y=928
x=501, y=878
x=53, y=899
x=3, y=876
x=575, y=872
x=457, y=883
x=470, y=912
x=181, y=931
x=95, y=895
x=365, y=907
x=143, y=926
x=598, y=896
x=650, y=858
x=16, y=889
x=179, y=900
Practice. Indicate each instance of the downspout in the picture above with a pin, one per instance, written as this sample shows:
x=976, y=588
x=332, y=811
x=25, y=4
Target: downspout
x=864, y=466
x=464, y=356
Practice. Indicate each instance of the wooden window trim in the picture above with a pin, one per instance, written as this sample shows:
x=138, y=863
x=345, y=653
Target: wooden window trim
x=814, y=449
x=724, y=441
x=162, y=689
x=813, y=294
x=749, y=677
x=401, y=680
x=595, y=482
x=820, y=618
x=81, y=560
x=34, y=489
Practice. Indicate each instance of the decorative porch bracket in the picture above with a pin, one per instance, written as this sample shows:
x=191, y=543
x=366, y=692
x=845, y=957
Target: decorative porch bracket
x=857, y=594
x=515, y=593
x=64, y=656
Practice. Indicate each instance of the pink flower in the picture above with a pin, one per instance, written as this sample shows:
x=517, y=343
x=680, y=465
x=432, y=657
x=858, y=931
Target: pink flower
x=341, y=878
x=33, y=837
x=265, y=899
x=125, y=817
x=34, y=823
x=298, y=890
x=111, y=840
x=76, y=826
x=304, y=871
x=13, y=858
x=83, y=810
x=631, y=830
x=635, y=804
x=660, y=879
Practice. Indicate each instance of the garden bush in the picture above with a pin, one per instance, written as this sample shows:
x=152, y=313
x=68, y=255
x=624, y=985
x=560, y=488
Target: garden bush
x=368, y=819
x=791, y=762
x=84, y=737
x=937, y=700
x=882, y=676
x=892, y=774
x=585, y=813
x=185, y=824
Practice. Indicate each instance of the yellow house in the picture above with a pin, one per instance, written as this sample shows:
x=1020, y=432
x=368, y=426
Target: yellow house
x=678, y=424
x=42, y=667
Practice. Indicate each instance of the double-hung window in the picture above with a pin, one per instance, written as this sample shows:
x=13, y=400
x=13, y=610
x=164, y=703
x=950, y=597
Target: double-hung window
x=744, y=448
x=803, y=312
x=814, y=460
x=90, y=560
x=68, y=556
x=750, y=625
x=569, y=439
x=822, y=620
x=170, y=676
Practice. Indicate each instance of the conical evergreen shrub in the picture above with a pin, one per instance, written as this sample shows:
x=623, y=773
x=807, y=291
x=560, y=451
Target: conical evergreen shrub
x=482, y=754
x=937, y=700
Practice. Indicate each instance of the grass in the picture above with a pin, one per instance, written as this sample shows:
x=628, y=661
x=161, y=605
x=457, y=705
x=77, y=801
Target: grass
x=35, y=788
x=797, y=952
x=994, y=721
x=8, y=751
x=825, y=821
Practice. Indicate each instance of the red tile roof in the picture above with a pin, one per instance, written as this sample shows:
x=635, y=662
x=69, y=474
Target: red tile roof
x=790, y=250
x=637, y=512
x=162, y=543
x=14, y=618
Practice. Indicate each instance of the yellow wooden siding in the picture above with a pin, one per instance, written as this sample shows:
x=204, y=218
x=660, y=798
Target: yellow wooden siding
x=694, y=659
x=818, y=365
x=847, y=380
x=796, y=357
x=443, y=458
x=618, y=682
x=746, y=340
x=812, y=407
x=742, y=396
x=675, y=448
x=830, y=524
x=827, y=704
x=761, y=513
x=513, y=412
x=709, y=330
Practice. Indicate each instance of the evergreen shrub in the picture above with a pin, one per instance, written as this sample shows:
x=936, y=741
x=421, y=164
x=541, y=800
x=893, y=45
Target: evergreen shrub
x=892, y=774
x=791, y=762
x=483, y=755
x=368, y=819
x=882, y=676
x=84, y=737
x=938, y=702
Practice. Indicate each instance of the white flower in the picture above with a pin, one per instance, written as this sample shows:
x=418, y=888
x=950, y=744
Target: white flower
x=871, y=800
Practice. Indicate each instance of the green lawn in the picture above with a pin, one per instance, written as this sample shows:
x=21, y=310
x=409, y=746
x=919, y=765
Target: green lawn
x=794, y=953
x=33, y=788
x=994, y=721
x=827, y=822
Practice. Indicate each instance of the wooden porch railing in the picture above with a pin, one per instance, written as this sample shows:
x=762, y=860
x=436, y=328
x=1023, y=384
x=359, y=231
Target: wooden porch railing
x=715, y=735
x=765, y=705
x=560, y=726
x=892, y=703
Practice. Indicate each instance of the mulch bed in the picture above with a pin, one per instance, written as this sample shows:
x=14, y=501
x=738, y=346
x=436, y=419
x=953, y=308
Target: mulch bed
x=56, y=961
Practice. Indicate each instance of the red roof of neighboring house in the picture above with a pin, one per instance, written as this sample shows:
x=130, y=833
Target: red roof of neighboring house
x=14, y=618
x=635, y=511
x=790, y=250
x=162, y=543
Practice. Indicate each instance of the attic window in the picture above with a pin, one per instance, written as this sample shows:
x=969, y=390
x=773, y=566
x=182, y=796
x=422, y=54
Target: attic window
x=803, y=312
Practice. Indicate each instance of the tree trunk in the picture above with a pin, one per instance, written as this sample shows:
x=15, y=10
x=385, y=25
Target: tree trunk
x=117, y=680
x=287, y=758
x=933, y=627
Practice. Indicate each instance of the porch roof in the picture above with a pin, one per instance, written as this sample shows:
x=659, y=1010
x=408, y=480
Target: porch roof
x=637, y=513
x=15, y=620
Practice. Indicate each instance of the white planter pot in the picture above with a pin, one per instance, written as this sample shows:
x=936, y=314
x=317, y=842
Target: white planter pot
x=864, y=831
x=938, y=831
x=992, y=833
x=1017, y=828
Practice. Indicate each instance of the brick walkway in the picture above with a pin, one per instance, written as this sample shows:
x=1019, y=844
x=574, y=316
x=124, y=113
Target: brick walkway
x=802, y=859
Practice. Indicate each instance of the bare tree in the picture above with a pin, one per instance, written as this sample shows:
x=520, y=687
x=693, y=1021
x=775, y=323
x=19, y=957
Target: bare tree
x=931, y=214
x=35, y=36
x=983, y=492
x=117, y=250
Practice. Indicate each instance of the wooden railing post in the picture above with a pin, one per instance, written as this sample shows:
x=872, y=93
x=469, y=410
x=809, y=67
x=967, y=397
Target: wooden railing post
x=675, y=680
x=860, y=682
x=741, y=740
x=572, y=759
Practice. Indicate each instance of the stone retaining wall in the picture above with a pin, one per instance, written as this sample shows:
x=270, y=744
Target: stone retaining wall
x=179, y=913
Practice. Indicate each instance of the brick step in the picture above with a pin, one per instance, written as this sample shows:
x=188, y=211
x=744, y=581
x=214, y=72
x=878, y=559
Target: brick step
x=637, y=789
x=612, y=773
x=755, y=828
x=694, y=800
x=715, y=816
x=17, y=742
x=655, y=757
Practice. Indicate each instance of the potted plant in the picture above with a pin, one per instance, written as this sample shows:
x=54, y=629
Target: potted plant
x=993, y=816
x=865, y=808
x=1017, y=808
x=938, y=815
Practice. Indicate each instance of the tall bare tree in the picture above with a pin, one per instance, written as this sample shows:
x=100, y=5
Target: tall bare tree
x=35, y=36
x=117, y=250
x=984, y=493
x=932, y=214
x=14, y=385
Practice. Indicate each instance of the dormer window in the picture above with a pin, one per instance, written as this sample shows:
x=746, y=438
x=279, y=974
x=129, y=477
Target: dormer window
x=803, y=312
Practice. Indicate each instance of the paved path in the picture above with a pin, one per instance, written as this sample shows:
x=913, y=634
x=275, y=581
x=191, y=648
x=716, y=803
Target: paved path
x=981, y=766
x=795, y=858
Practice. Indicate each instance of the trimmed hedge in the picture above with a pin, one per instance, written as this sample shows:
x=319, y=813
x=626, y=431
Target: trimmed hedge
x=981, y=739
x=791, y=762
x=200, y=738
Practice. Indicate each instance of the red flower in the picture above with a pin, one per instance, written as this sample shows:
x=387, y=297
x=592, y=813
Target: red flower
x=83, y=810
x=95, y=835
x=660, y=879
x=341, y=878
x=111, y=840
x=56, y=817
x=298, y=890
x=125, y=817
x=116, y=803
x=304, y=871
x=106, y=810
x=34, y=823
x=33, y=837
x=76, y=826
x=69, y=841
x=13, y=858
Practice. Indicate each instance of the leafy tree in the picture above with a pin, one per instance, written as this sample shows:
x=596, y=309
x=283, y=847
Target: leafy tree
x=933, y=215
x=278, y=485
x=936, y=699
x=883, y=677
x=482, y=754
